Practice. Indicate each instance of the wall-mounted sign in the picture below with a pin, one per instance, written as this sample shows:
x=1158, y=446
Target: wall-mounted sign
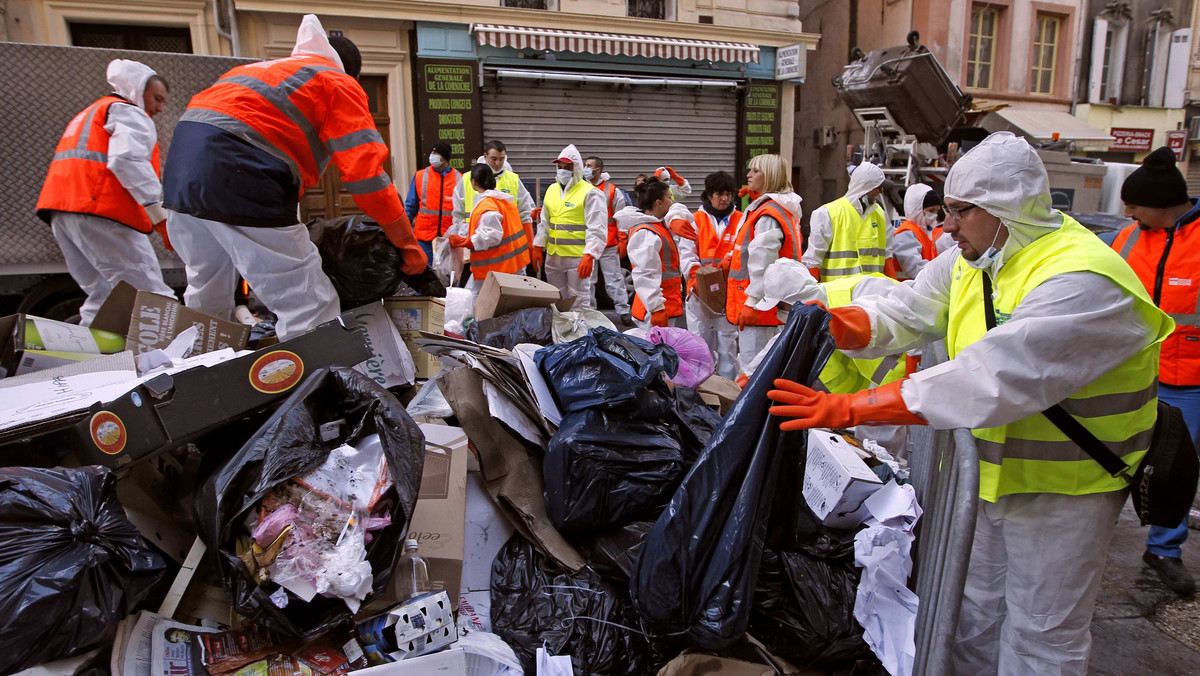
x=1136, y=140
x=791, y=62
x=448, y=109
x=762, y=113
x=1177, y=141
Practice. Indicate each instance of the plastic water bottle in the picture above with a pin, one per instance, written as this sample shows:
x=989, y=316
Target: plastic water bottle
x=412, y=575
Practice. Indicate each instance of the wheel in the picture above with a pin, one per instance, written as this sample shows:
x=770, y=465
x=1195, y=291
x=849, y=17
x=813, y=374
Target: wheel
x=63, y=309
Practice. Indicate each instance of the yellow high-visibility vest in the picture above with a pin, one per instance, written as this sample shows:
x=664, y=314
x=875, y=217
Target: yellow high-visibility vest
x=567, y=230
x=859, y=243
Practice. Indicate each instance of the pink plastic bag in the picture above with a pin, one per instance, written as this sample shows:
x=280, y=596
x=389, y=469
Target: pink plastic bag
x=695, y=359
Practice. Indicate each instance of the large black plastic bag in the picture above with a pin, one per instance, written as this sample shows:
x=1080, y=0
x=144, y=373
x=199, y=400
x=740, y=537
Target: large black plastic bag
x=696, y=421
x=804, y=605
x=613, y=552
x=363, y=264
x=604, y=468
x=695, y=577
x=291, y=443
x=531, y=325
x=603, y=368
x=72, y=566
x=534, y=604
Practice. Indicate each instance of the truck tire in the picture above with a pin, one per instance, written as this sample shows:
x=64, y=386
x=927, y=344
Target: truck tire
x=56, y=298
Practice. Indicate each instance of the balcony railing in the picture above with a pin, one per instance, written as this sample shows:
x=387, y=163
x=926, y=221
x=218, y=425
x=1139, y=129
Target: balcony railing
x=647, y=9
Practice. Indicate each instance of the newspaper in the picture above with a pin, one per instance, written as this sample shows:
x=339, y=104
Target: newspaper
x=175, y=649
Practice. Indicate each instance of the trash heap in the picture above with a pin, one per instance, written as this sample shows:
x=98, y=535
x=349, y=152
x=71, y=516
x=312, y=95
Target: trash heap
x=531, y=492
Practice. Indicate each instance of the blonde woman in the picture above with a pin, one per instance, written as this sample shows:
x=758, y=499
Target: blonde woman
x=769, y=230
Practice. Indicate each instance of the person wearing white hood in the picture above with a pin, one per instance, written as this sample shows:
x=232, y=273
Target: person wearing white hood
x=495, y=155
x=572, y=230
x=1036, y=311
x=913, y=243
x=654, y=255
x=102, y=194
x=849, y=235
x=610, y=260
x=497, y=238
x=242, y=155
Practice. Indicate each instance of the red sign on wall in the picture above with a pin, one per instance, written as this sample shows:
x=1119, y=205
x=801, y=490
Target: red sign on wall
x=1136, y=140
x=1177, y=141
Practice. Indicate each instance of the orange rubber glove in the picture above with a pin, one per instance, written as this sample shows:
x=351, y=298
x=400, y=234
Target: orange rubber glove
x=659, y=318
x=460, y=242
x=747, y=316
x=536, y=214
x=683, y=229
x=726, y=263
x=670, y=172
x=850, y=327
x=161, y=228
x=623, y=243
x=585, y=266
x=877, y=406
x=399, y=232
x=745, y=190
x=815, y=272
x=537, y=256
x=741, y=380
x=891, y=268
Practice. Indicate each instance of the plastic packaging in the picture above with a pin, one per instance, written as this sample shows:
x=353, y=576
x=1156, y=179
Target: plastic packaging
x=460, y=307
x=536, y=605
x=571, y=325
x=695, y=576
x=447, y=261
x=429, y=402
x=72, y=566
x=695, y=358
x=531, y=325
x=604, y=368
x=412, y=575
x=605, y=468
x=328, y=409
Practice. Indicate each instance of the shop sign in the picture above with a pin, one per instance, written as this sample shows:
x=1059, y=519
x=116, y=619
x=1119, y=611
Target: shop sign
x=448, y=109
x=761, y=116
x=1136, y=140
x=790, y=62
x=1177, y=141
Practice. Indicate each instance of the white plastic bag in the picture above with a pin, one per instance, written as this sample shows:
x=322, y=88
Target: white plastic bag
x=567, y=326
x=460, y=306
x=447, y=261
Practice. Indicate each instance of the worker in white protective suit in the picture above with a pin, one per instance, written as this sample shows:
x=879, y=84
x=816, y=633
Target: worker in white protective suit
x=103, y=194
x=496, y=237
x=610, y=260
x=848, y=236
x=572, y=230
x=1066, y=321
x=912, y=243
x=655, y=257
x=495, y=155
x=716, y=223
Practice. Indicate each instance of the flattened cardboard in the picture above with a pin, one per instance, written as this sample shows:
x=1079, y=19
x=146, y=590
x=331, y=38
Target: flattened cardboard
x=439, y=518
x=725, y=390
x=390, y=363
x=150, y=322
x=503, y=293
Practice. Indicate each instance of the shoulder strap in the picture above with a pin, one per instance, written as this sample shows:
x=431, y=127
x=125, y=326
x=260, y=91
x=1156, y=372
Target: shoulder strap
x=1065, y=422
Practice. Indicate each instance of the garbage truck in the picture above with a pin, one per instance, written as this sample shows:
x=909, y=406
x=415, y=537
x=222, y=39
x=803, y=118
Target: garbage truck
x=55, y=84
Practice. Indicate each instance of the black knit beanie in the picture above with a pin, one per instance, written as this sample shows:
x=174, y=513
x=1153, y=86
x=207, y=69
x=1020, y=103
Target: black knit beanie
x=442, y=148
x=932, y=199
x=1157, y=183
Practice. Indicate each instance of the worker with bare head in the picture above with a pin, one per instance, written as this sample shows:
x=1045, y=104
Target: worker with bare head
x=103, y=192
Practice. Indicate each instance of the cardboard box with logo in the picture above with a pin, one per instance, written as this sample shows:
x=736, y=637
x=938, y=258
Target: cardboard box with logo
x=29, y=344
x=836, y=480
x=412, y=315
x=150, y=322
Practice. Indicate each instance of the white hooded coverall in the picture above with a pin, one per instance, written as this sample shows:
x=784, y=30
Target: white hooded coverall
x=645, y=258
x=462, y=211
x=488, y=232
x=98, y=252
x=1037, y=558
x=714, y=327
x=865, y=178
x=562, y=271
x=764, y=250
x=610, y=261
x=905, y=247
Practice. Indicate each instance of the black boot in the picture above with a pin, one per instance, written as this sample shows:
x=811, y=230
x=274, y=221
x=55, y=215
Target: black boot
x=1172, y=573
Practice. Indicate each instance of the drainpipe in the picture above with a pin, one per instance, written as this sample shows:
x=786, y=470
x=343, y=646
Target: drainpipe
x=230, y=33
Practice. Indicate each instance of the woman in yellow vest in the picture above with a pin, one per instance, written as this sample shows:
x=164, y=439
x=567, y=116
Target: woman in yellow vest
x=1074, y=327
x=496, y=237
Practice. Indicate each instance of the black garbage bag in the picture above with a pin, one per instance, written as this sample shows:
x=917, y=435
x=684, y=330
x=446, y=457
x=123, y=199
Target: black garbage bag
x=531, y=325
x=425, y=284
x=603, y=368
x=72, y=566
x=696, y=420
x=604, y=468
x=535, y=604
x=613, y=552
x=804, y=605
x=359, y=259
x=329, y=408
x=261, y=331
x=695, y=576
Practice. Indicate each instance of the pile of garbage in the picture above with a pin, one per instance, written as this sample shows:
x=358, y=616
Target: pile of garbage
x=531, y=492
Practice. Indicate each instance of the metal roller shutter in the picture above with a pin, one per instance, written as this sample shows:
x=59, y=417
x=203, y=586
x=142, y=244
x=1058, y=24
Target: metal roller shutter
x=633, y=129
x=1193, y=175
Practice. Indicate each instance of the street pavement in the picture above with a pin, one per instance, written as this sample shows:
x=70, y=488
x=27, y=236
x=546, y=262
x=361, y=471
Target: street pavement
x=1140, y=626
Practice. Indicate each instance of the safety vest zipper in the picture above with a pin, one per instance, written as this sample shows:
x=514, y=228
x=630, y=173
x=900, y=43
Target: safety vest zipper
x=1162, y=266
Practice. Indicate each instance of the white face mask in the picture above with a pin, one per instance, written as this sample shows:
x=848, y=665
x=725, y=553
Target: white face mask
x=931, y=220
x=435, y=159
x=987, y=258
x=564, y=175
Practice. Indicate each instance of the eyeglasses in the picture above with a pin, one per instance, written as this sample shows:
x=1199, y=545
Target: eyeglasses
x=957, y=212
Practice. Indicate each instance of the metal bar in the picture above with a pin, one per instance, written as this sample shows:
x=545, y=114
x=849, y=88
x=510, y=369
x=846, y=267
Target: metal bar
x=612, y=79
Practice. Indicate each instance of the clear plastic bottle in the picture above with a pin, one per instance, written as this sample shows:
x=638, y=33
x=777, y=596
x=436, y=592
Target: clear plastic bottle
x=412, y=575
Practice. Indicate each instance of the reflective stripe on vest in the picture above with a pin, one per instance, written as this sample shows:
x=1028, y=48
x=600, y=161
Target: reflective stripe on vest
x=1177, y=280
x=670, y=283
x=511, y=254
x=508, y=183
x=1031, y=455
x=859, y=243
x=435, y=195
x=739, y=271
x=79, y=180
x=710, y=247
x=842, y=374
x=567, y=231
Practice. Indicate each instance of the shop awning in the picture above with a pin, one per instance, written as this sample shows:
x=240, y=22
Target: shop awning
x=1042, y=125
x=524, y=37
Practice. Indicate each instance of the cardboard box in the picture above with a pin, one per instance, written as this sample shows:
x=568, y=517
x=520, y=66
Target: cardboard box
x=391, y=363
x=723, y=390
x=836, y=480
x=56, y=344
x=416, y=627
x=710, y=288
x=169, y=410
x=425, y=365
x=503, y=293
x=417, y=313
x=150, y=322
x=438, y=520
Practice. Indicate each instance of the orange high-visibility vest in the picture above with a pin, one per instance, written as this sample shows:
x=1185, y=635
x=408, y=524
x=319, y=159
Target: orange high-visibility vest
x=511, y=255
x=928, y=248
x=79, y=180
x=610, y=191
x=435, y=193
x=739, y=271
x=1167, y=262
x=672, y=279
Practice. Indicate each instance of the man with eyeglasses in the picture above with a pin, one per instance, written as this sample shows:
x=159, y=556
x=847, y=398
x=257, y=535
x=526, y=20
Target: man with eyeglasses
x=1035, y=311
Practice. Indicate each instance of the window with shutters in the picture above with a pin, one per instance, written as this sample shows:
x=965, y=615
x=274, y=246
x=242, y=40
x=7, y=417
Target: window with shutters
x=527, y=4
x=142, y=38
x=981, y=46
x=1045, y=52
x=646, y=9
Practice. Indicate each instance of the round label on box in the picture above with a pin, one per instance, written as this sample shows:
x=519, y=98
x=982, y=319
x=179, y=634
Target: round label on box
x=276, y=372
x=108, y=432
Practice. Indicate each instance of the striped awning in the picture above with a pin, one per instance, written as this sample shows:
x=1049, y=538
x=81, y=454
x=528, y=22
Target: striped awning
x=524, y=37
